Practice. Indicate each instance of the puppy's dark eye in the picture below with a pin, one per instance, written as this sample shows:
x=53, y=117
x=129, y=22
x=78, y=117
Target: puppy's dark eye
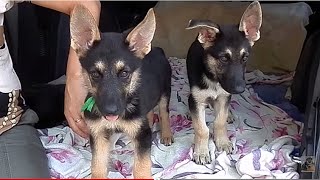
x=245, y=58
x=124, y=74
x=95, y=75
x=223, y=59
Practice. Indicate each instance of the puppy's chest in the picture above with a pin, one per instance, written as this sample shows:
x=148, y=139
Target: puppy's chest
x=129, y=127
x=212, y=90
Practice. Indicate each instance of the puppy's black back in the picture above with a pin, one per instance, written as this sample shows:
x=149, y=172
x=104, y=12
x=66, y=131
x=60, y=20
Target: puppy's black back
x=195, y=64
x=155, y=80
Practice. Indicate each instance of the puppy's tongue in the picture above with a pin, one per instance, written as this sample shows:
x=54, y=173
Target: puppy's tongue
x=111, y=118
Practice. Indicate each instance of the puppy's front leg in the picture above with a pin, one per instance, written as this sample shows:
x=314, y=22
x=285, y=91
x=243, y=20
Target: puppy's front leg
x=221, y=107
x=142, y=155
x=100, y=147
x=201, y=153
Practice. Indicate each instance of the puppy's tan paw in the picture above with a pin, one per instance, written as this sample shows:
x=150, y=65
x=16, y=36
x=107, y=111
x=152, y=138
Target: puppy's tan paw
x=166, y=138
x=202, y=155
x=224, y=144
x=98, y=176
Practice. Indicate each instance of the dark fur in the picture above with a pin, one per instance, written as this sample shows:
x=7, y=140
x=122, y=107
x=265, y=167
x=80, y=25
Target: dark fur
x=127, y=78
x=216, y=64
x=155, y=78
x=232, y=76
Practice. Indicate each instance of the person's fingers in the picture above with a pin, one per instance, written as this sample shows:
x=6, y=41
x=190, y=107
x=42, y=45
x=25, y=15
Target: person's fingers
x=83, y=127
x=75, y=126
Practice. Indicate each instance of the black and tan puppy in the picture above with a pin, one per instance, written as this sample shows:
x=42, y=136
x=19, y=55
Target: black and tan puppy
x=216, y=64
x=127, y=78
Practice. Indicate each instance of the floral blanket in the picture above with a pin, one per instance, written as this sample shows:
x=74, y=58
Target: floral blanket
x=264, y=138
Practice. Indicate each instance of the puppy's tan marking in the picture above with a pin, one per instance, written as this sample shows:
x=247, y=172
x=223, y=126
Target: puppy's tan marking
x=130, y=127
x=102, y=144
x=101, y=66
x=142, y=164
x=242, y=51
x=134, y=82
x=100, y=154
x=166, y=134
x=87, y=83
x=220, y=124
x=150, y=118
x=119, y=65
x=214, y=65
x=228, y=51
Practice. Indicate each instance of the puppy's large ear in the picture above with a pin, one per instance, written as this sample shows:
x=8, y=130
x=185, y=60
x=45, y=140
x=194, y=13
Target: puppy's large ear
x=83, y=29
x=139, y=39
x=207, y=31
x=251, y=21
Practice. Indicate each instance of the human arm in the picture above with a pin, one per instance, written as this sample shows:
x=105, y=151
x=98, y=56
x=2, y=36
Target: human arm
x=75, y=92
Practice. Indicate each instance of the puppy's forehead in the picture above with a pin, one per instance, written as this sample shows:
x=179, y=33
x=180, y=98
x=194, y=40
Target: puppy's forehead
x=231, y=39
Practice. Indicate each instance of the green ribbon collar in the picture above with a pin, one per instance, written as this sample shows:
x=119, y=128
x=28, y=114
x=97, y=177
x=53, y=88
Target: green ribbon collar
x=88, y=105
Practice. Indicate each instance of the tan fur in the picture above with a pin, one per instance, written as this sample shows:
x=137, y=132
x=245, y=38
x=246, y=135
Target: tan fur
x=201, y=137
x=100, y=155
x=242, y=51
x=134, y=82
x=87, y=82
x=228, y=51
x=166, y=134
x=150, y=118
x=214, y=65
x=119, y=65
x=213, y=91
x=129, y=127
x=220, y=124
x=101, y=66
x=142, y=165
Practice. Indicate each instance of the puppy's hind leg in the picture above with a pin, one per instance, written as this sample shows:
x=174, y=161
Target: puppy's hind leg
x=166, y=134
x=150, y=118
x=201, y=153
x=142, y=153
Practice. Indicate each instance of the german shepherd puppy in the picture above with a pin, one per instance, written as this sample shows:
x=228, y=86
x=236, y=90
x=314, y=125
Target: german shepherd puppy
x=216, y=64
x=127, y=78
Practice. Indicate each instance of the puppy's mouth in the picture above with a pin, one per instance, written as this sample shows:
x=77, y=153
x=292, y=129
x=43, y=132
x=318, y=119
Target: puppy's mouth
x=111, y=117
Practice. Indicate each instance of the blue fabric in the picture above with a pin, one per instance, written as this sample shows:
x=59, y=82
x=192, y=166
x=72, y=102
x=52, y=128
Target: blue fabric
x=275, y=94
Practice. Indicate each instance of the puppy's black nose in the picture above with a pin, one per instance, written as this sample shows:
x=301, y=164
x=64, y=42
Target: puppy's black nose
x=111, y=109
x=239, y=89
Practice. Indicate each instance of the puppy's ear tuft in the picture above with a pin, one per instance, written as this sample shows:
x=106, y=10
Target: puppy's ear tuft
x=83, y=30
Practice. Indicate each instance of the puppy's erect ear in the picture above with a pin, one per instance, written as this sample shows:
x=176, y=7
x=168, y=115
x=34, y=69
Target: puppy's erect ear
x=251, y=21
x=139, y=39
x=83, y=29
x=207, y=33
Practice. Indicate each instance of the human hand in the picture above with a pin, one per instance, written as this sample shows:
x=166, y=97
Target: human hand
x=75, y=94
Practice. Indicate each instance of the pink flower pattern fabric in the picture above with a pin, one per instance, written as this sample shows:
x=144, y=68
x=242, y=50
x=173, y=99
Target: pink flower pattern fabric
x=257, y=127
